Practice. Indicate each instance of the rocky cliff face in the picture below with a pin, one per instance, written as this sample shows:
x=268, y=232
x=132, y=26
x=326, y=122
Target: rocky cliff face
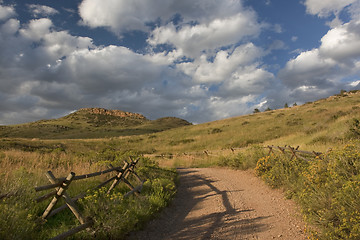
x=117, y=113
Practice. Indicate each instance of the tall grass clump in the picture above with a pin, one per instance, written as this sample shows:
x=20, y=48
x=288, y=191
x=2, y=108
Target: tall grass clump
x=244, y=159
x=327, y=189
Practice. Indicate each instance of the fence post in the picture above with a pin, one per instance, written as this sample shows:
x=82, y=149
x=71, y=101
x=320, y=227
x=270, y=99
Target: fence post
x=317, y=154
x=281, y=149
x=292, y=152
x=60, y=191
x=270, y=150
x=69, y=202
x=118, y=177
x=131, y=167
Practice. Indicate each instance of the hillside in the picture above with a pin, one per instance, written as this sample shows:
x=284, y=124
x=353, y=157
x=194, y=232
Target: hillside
x=92, y=123
x=315, y=125
x=320, y=125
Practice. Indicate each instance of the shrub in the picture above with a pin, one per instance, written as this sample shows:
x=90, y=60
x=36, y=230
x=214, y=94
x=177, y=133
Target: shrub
x=214, y=131
x=354, y=129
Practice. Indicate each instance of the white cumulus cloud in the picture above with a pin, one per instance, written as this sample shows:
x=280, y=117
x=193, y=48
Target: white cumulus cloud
x=325, y=7
x=123, y=15
x=192, y=40
x=308, y=69
x=223, y=66
x=41, y=10
x=342, y=42
x=6, y=12
x=324, y=70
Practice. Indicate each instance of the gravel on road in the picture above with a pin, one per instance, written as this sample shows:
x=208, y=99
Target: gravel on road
x=218, y=203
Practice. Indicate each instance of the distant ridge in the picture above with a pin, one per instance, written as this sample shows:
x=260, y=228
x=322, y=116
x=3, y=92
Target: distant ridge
x=92, y=123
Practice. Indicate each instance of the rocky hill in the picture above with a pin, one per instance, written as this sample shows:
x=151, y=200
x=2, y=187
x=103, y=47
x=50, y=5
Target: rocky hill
x=116, y=113
x=92, y=123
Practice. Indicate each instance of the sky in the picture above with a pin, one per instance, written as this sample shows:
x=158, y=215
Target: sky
x=200, y=60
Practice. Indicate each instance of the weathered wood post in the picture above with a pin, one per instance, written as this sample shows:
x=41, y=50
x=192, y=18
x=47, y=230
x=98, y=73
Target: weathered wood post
x=132, y=170
x=118, y=177
x=62, y=192
x=292, y=152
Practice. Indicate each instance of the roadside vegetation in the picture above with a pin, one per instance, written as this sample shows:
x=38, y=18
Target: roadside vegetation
x=327, y=189
x=114, y=216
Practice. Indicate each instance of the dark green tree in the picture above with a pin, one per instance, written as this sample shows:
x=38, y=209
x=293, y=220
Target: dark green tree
x=256, y=110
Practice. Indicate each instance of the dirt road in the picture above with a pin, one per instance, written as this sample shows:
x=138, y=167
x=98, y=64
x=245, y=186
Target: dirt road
x=225, y=204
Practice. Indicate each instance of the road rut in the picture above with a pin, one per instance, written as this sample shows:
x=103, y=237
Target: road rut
x=217, y=203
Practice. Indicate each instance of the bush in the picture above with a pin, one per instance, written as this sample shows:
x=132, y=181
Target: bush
x=354, y=129
x=214, y=131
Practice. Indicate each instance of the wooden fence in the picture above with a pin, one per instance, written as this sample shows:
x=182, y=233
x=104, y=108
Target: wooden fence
x=295, y=152
x=199, y=154
x=60, y=185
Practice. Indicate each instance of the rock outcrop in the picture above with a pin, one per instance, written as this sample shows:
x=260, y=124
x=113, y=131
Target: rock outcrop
x=117, y=113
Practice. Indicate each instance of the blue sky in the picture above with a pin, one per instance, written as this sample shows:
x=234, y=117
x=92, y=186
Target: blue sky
x=200, y=60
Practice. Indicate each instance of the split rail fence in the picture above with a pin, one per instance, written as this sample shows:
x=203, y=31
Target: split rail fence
x=60, y=186
x=294, y=152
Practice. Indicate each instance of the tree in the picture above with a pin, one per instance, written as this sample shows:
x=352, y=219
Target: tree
x=268, y=109
x=256, y=110
x=295, y=104
x=342, y=92
x=286, y=105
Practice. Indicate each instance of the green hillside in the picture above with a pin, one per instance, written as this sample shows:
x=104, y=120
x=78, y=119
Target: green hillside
x=317, y=125
x=320, y=125
x=91, y=123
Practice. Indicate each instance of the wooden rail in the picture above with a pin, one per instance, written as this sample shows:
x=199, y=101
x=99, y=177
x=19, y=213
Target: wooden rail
x=60, y=186
x=295, y=152
x=208, y=153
